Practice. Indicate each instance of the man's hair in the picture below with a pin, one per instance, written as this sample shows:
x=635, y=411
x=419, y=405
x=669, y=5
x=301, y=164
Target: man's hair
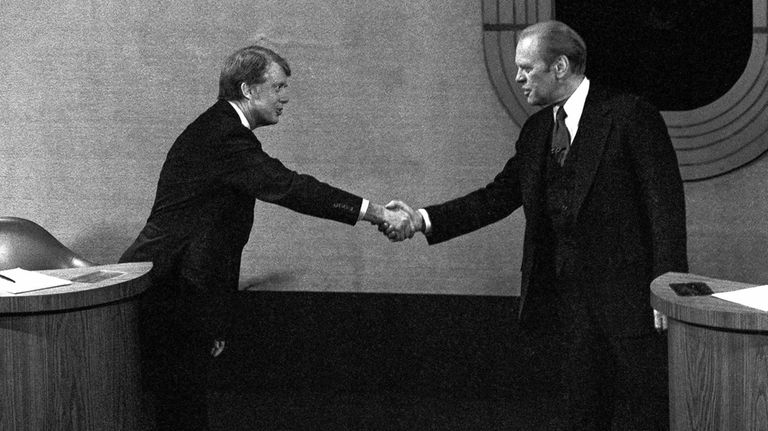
x=247, y=65
x=556, y=39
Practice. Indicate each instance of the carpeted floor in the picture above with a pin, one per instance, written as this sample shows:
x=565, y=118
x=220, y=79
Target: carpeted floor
x=270, y=412
x=530, y=407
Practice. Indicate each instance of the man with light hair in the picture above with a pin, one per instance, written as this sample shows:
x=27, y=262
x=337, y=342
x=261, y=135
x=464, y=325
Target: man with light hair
x=597, y=177
x=201, y=219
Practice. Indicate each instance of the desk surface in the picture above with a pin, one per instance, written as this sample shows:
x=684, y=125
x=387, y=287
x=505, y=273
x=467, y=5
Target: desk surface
x=706, y=310
x=131, y=281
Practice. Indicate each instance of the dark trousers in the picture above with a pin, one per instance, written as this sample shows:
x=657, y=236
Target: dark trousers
x=175, y=365
x=614, y=383
x=606, y=383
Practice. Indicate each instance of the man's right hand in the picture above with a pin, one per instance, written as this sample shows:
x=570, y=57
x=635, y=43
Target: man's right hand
x=395, y=223
x=416, y=221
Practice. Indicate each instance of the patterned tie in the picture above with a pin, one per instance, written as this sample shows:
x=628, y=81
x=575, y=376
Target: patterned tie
x=561, y=139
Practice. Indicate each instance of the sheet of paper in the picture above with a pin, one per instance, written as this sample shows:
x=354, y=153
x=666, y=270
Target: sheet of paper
x=754, y=297
x=27, y=281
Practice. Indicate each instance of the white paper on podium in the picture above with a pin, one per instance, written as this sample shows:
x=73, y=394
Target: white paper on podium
x=27, y=281
x=753, y=297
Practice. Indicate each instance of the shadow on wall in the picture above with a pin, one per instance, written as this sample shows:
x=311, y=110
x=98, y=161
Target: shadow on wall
x=276, y=280
x=104, y=243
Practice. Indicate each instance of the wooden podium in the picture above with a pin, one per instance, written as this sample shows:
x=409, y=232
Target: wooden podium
x=718, y=358
x=69, y=356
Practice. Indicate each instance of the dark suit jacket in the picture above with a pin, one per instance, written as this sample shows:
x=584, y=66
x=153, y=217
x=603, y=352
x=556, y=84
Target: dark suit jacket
x=626, y=218
x=203, y=213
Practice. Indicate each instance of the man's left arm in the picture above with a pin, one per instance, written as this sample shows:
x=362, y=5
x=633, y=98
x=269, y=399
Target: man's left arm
x=662, y=187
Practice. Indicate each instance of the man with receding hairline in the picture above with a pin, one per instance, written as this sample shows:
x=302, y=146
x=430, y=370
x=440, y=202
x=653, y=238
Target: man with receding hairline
x=201, y=219
x=597, y=177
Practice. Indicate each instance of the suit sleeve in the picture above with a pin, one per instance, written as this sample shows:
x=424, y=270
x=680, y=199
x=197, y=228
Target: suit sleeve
x=253, y=171
x=662, y=188
x=479, y=208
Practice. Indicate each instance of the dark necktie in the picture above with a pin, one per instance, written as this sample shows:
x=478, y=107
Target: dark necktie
x=561, y=139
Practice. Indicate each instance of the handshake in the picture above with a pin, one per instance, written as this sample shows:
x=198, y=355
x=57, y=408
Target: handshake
x=396, y=220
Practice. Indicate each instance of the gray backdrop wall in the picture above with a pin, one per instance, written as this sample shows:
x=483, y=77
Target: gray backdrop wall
x=388, y=100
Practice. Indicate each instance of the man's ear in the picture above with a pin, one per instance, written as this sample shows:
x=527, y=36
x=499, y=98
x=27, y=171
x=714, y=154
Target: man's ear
x=561, y=66
x=248, y=91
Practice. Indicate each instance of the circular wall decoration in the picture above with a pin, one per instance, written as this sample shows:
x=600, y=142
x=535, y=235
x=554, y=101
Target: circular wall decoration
x=709, y=140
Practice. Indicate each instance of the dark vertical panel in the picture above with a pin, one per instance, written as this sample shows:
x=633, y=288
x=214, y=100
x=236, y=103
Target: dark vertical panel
x=682, y=54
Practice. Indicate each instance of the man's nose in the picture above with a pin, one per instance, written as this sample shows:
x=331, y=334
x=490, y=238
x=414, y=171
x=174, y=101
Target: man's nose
x=519, y=77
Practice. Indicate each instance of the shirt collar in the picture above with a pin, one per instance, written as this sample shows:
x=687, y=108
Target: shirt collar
x=240, y=114
x=574, y=106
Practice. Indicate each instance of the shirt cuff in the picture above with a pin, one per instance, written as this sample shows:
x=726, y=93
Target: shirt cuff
x=363, y=209
x=427, y=223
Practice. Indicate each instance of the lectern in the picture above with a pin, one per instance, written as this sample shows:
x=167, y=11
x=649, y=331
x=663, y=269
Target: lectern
x=718, y=358
x=69, y=355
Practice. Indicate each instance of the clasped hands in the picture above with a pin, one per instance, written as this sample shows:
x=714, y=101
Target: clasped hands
x=396, y=220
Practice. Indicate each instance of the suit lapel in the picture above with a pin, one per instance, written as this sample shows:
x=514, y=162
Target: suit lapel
x=594, y=126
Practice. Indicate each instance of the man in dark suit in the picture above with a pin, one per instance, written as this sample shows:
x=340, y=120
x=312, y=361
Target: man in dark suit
x=598, y=180
x=201, y=220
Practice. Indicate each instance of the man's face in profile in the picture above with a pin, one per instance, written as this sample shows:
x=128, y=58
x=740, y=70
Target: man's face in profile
x=265, y=105
x=537, y=79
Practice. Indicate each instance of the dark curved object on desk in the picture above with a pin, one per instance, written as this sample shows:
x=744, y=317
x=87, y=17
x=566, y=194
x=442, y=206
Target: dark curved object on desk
x=25, y=244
